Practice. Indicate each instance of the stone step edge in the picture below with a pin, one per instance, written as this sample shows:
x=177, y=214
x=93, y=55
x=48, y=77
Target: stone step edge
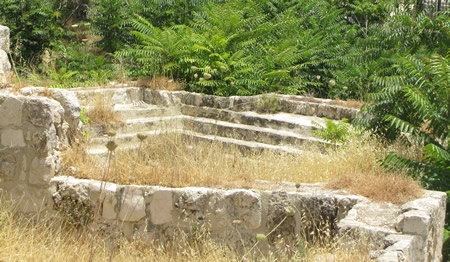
x=101, y=149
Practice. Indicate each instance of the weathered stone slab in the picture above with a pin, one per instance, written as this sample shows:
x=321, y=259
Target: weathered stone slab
x=4, y=38
x=161, y=207
x=5, y=66
x=132, y=206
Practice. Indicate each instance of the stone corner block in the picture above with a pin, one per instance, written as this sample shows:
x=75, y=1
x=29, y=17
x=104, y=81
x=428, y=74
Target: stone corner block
x=415, y=222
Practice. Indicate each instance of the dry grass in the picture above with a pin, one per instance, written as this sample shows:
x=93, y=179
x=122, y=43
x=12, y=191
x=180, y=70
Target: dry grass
x=180, y=161
x=390, y=188
x=46, y=239
x=102, y=111
x=159, y=83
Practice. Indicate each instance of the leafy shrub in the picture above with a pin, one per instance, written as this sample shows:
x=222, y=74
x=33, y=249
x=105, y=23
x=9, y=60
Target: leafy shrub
x=74, y=64
x=34, y=25
x=109, y=21
x=414, y=107
x=334, y=132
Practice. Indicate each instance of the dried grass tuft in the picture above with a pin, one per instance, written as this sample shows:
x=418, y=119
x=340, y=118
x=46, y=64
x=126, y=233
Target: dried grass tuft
x=102, y=112
x=159, y=83
x=384, y=188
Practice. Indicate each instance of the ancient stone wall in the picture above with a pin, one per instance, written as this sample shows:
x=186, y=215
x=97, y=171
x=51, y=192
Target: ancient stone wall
x=5, y=66
x=408, y=232
x=32, y=131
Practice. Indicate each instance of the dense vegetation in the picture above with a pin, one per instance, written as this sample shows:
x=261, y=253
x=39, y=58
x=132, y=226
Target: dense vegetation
x=391, y=53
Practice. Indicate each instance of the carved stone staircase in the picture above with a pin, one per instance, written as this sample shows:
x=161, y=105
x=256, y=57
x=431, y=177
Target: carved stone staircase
x=229, y=120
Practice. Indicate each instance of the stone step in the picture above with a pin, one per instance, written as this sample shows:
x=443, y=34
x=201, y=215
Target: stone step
x=246, y=132
x=130, y=95
x=137, y=125
x=243, y=145
x=281, y=121
x=127, y=140
x=99, y=150
x=125, y=111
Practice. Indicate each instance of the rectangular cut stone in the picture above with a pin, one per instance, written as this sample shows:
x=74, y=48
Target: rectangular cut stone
x=12, y=137
x=415, y=222
x=161, y=207
x=10, y=112
x=42, y=169
x=4, y=38
x=132, y=208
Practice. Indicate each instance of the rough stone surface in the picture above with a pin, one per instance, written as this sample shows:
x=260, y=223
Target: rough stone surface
x=29, y=139
x=5, y=66
x=132, y=206
x=245, y=206
x=235, y=216
x=4, y=38
x=68, y=107
x=161, y=207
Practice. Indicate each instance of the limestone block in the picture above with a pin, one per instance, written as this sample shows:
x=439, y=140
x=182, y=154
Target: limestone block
x=393, y=256
x=42, y=170
x=194, y=199
x=71, y=105
x=132, y=207
x=120, y=96
x=38, y=112
x=4, y=38
x=109, y=203
x=415, y=222
x=5, y=68
x=28, y=199
x=406, y=244
x=161, y=207
x=245, y=206
x=12, y=138
x=11, y=112
x=8, y=164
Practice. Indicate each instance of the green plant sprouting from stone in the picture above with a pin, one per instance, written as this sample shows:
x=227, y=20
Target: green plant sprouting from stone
x=334, y=132
x=83, y=118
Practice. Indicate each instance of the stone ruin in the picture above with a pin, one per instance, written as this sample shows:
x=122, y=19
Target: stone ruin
x=5, y=66
x=34, y=129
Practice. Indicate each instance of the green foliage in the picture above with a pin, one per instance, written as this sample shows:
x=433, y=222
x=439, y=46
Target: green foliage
x=166, y=13
x=236, y=48
x=83, y=118
x=72, y=64
x=414, y=107
x=334, y=132
x=109, y=20
x=34, y=25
